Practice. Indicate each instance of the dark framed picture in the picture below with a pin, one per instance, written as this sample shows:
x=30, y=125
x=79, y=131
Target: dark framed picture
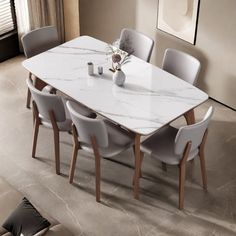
x=178, y=18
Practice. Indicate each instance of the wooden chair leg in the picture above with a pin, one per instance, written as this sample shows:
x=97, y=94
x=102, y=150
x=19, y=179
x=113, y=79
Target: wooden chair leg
x=56, y=140
x=75, y=153
x=182, y=174
x=73, y=163
x=163, y=166
x=57, y=150
x=203, y=169
x=98, y=176
x=28, y=99
x=97, y=168
x=35, y=136
x=36, y=123
x=202, y=160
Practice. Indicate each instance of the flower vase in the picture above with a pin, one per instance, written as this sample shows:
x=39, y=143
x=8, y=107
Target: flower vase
x=119, y=77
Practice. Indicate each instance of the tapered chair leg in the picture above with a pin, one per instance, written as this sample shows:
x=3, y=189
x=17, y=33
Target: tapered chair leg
x=182, y=174
x=98, y=176
x=76, y=147
x=202, y=160
x=57, y=150
x=73, y=161
x=97, y=168
x=56, y=140
x=36, y=124
x=28, y=99
x=35, y=136
x=73, y=164
x=203, y=169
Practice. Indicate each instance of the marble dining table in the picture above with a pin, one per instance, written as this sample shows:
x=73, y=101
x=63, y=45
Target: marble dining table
x=149, y=99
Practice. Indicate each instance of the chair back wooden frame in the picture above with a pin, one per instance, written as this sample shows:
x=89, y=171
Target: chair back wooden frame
x=97, y=156
x=37, y=122
x=182, y=167
x=38, y=83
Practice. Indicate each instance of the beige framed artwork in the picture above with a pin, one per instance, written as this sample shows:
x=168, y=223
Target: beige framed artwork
x=179, y=18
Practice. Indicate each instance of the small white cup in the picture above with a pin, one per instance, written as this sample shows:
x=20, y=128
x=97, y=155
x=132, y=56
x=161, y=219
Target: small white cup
x=90, y=68
x=100, y=70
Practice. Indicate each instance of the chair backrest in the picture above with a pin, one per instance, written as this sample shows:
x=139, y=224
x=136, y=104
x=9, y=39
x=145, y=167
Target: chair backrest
x=193, y=133
x=88, y=127
x=182, y=65
x=47, y=102
x=136, y=43
x=40, y=40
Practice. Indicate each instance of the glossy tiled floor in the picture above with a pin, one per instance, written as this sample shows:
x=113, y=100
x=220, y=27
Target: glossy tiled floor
x=156, y=213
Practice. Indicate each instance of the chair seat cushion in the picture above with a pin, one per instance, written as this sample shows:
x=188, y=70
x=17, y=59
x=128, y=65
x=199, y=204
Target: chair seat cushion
x=161, y=146
x=119, y=140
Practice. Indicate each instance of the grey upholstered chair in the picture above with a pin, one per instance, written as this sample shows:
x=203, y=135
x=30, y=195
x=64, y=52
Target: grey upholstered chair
x=38, y=41
x=136, y=43
x=182, y=65
x=178, y=146
x=99, y=137
x=49, y=111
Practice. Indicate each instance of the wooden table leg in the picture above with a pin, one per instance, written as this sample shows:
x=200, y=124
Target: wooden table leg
x=190, y=117
x=137, y=166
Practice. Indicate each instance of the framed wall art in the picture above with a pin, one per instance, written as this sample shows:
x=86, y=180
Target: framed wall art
x=179, y=18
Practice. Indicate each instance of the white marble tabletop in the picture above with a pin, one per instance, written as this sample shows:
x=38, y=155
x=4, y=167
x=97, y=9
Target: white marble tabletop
x=149, y=99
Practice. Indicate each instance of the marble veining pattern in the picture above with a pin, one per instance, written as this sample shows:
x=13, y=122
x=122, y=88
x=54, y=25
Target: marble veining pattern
x=149, y=99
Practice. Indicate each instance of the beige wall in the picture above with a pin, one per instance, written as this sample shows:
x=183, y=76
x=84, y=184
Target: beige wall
x=215, y=44
x=104, y=19
x=71, y=18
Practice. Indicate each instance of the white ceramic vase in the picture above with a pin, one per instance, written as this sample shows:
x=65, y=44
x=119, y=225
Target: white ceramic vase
x=119, y=77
